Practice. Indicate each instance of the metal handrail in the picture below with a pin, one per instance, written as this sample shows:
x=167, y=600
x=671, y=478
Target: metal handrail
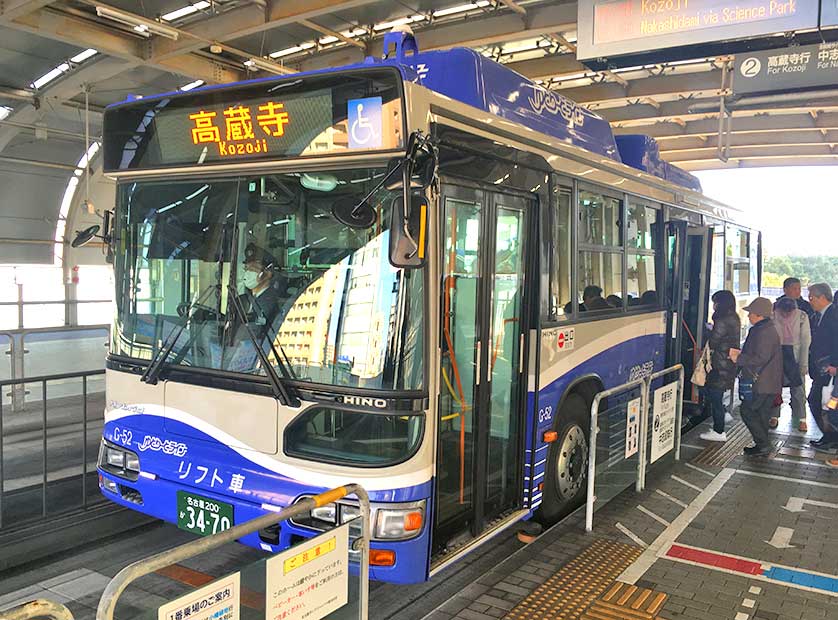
x=117, y=585
x=641, y=383
x=645, y=383
x=56, y=377
x=40, y=608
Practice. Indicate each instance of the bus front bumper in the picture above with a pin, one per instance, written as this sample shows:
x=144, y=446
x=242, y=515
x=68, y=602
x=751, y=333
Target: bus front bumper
x=158, y=498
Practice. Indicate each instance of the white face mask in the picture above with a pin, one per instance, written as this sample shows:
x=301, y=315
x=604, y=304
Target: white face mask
x=251, y=279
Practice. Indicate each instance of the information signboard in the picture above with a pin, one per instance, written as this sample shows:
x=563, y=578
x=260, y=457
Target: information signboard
x=632, y=427
x=609, y=28
x=663, y=420
x=310, y=580
x=804, y=66
x=219, y=600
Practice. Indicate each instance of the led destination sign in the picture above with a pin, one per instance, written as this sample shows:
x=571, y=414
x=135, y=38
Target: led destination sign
x=272, y=119
x=628, y=19
x=610, y=28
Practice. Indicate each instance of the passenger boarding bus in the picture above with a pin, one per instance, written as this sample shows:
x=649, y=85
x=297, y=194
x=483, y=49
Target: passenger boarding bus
x=413, y=274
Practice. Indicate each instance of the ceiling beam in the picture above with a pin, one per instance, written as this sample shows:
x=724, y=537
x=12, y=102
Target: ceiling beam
x=684, y=85
x=758, y=123
x=12, y=9
x=20, y=161
x=799, y=137
x=476, y=31
x=73, y=30
x=759, y=162
x=514, y=6
x=548, y=67
x=247, y=20
x=332, y=33
x=752, y=152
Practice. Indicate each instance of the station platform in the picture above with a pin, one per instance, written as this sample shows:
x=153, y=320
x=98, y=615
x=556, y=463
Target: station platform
x=715, y=536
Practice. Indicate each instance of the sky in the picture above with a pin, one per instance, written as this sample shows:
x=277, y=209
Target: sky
x=795, y=207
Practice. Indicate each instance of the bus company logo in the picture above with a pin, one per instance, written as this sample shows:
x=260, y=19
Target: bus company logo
x=116, y=405
x=543, y=100
x=565, y=339
x=166, y=446
x=363, y=401
x=641, y=370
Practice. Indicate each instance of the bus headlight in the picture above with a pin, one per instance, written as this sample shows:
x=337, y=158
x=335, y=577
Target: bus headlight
x=119, y=461
x=327, y=513
x=399, y=523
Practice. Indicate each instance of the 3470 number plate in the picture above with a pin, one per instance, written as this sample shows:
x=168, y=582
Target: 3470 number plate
x=201, y=515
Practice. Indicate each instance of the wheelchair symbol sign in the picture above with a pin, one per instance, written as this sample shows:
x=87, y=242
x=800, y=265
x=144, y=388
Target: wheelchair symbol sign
x=364, y=119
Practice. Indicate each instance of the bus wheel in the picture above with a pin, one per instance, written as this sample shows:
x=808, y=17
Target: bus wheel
x=566, y=477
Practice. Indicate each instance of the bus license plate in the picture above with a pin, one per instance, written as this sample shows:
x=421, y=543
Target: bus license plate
x=201, y=515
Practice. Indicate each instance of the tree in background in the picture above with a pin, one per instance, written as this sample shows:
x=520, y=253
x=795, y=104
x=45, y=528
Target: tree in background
x=809, y=269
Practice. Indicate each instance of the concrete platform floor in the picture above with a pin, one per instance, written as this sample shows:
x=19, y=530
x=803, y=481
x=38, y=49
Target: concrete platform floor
x=721, y=535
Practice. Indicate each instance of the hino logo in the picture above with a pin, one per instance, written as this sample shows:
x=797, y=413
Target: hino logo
x=365, y=401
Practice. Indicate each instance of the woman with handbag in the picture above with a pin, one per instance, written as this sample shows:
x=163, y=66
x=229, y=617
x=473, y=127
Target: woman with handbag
x=761, y=378
x=722, y=370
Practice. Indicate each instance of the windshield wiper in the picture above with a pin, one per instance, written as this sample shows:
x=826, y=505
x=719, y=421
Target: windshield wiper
x=152, y=373
x=278, y=386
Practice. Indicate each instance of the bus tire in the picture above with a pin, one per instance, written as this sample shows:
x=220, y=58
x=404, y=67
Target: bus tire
x=566, y=477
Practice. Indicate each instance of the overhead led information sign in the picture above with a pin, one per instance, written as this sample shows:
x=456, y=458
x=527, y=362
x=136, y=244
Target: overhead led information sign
x=267, y=120
x=612, y=28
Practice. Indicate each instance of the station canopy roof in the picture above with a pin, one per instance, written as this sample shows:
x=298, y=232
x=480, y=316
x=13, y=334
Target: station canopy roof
x=60, y=58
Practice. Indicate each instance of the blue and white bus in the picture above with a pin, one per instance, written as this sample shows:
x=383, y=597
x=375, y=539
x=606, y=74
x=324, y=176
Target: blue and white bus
x=413, y=274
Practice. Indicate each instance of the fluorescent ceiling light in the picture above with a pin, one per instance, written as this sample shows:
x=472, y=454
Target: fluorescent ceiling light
x=143, y=26
x=410, y=19
x=82, y=56
x=266, y=65
x=192, y=85
x=189, y=9
x=4, y=112
x=49, y=76
x=292, y=50
x=461, y=8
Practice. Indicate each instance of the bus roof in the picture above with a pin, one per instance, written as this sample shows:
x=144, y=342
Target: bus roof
x=469, y=77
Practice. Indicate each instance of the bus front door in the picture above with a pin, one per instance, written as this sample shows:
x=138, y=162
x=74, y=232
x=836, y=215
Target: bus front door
x=482, y=338
x=687, y=274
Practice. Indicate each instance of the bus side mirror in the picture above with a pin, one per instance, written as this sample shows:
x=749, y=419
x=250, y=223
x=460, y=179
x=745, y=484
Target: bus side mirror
x=409, y=231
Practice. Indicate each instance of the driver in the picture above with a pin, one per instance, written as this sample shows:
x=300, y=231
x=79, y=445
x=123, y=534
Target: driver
x=260, y=299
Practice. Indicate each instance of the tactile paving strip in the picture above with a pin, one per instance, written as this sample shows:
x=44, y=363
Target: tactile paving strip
x=721, y=454
x=626, y=602
x=570, y=591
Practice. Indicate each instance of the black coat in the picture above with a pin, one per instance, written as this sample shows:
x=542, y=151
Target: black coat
x=824, y=349
x=762, y=357
x=724, y=337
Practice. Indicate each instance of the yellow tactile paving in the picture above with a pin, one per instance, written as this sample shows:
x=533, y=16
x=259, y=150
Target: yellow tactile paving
x=626, y=602
x=570, y=591
x=721, y=454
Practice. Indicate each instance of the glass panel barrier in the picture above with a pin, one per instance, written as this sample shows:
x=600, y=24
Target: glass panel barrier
x=615, y=460
x=62, y=351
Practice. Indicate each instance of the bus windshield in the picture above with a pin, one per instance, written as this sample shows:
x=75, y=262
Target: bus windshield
x=321, y=296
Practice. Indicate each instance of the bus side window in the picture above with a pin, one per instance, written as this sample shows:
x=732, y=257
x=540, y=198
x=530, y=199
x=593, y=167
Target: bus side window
x=601, y=248
x=558, y=254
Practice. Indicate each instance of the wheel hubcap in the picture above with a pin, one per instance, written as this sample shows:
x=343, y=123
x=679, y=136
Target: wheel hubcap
x=572, y=462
